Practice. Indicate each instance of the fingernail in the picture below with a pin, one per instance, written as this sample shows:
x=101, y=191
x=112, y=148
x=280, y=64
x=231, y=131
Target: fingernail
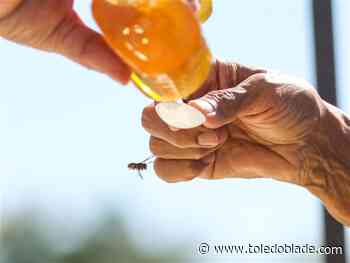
x=173, y=129
x=202, y=105
x=208, y=139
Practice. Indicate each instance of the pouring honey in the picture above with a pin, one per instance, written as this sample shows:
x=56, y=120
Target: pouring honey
x=161, y=41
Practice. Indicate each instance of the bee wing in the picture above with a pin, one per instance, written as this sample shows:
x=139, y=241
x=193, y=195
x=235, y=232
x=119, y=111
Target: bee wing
x=149, y=159
x=140, y=174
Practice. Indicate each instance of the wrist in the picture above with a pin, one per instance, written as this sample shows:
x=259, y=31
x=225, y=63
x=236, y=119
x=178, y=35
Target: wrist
x=325, y=166
x=8, y=6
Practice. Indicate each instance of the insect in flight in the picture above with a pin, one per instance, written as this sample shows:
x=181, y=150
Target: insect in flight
x=142, y=166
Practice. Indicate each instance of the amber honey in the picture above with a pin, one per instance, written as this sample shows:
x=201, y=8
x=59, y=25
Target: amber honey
x=162, y=42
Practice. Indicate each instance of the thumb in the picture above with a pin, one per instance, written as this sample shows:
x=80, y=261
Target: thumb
x=81, y=44
x=234, y=86
x=221, y=107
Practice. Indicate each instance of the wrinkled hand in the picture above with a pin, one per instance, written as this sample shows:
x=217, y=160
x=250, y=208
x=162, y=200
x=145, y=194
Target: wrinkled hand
x=256, y=126
x=260, y=124
x=53, y=25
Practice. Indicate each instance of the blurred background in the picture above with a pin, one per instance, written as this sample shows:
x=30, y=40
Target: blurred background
x=67, y=135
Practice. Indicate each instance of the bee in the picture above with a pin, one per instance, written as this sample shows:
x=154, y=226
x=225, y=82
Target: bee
x=142, y=166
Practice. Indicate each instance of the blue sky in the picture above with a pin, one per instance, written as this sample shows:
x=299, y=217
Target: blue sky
x=68, y=134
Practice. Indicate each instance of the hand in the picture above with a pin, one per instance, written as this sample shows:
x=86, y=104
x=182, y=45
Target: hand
x=53, y=25
x=256, y=124
x=259, y=124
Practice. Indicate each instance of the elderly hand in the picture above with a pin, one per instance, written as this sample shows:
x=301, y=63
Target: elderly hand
x=259, y=124
x=53, y=25
x=256, y=124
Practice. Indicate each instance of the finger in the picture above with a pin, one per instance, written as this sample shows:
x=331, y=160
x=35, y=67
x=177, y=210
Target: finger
x=81, y=44
x=243, y=159
x=236, y=159
x=250, y=97
x=192, y=138
x=173, y=171
x=164, y=150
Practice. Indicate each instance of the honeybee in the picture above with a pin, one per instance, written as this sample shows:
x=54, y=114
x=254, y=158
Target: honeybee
x=142, y=166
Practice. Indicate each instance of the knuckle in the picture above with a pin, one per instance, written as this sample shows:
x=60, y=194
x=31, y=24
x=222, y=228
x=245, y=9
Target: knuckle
x=262, y=76
x=262, y=80
x=59, y=38
x=181, y=141
x=63, y=39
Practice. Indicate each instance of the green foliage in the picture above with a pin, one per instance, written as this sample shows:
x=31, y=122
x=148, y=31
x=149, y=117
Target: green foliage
x=26, y=240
